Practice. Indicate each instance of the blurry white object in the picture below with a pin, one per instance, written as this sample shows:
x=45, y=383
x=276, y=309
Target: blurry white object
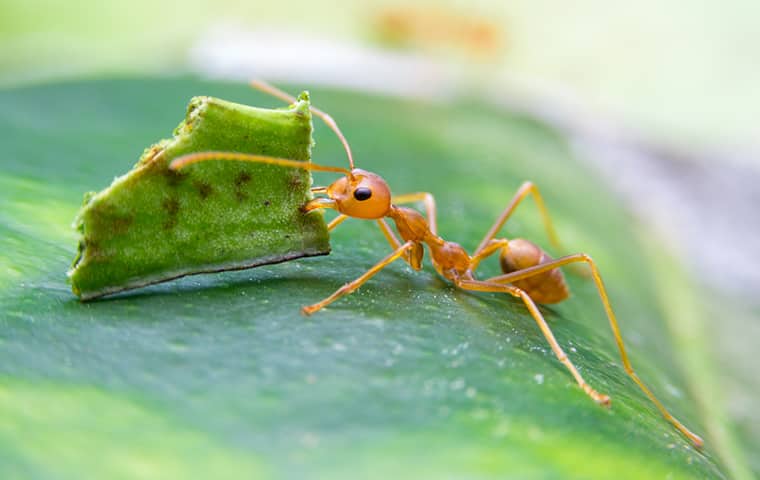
x=228, y=51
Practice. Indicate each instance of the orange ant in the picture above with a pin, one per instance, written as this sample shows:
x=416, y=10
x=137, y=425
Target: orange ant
x=529, y=273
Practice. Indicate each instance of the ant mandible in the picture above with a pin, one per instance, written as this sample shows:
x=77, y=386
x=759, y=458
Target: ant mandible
x=529, y=273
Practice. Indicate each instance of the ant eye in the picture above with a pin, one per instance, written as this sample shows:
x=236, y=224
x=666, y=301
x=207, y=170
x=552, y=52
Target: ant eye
x=362, y=193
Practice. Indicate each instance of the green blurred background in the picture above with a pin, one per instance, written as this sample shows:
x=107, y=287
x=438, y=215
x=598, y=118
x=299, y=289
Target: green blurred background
x=683, y=70
x=660, y=98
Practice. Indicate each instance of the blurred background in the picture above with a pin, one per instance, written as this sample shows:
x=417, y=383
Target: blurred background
x=659, y=97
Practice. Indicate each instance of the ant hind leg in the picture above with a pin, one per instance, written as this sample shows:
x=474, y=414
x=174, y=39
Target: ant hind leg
x=485, y=286
x=582, y=257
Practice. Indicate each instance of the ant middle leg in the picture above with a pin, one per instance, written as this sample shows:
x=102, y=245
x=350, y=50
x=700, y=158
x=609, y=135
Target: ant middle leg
x=525, y=189
x=486, y=286
x=491, y=247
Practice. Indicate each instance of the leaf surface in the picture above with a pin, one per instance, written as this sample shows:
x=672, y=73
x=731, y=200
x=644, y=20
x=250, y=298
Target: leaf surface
x=408, y=377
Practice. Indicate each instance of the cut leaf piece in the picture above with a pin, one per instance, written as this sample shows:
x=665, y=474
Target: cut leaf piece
x=154, y=224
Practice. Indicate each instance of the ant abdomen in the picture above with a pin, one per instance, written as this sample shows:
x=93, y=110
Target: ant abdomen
x=548, y=287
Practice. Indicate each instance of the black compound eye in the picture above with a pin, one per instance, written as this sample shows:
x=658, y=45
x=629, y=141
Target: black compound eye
x=362, y=193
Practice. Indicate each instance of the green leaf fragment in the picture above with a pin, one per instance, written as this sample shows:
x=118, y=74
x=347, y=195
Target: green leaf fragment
x=154, y=224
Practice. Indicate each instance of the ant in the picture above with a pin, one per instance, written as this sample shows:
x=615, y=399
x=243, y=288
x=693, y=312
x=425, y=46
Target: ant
x=529, y=273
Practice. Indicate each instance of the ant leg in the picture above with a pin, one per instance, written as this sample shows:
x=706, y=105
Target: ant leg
x=336, y=221
x=582, y=257
x=427, y=199
x=351, y=286
x=393, y=240
x=485, y=286
x=525, y=189
x=492, y=247
x=412, y=256
x=388, y=232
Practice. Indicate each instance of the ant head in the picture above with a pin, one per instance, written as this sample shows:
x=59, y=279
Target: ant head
x=361, y=195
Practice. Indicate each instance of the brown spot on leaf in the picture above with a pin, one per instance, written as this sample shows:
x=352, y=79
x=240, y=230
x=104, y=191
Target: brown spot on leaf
x=267, y=203
x=242, y=178
x=171, y=205
x=295, y=182
x=204, y=189
x=240, y=181
x=110, y=219
x=121, y=224
x=91, y=249
x=174, y=177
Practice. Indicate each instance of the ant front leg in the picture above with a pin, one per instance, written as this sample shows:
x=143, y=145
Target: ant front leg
x=351, y=286
x=335, y=221
x=522, y=192
x=412, y=256
x=582, y=257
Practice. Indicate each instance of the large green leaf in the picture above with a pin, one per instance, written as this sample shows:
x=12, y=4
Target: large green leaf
x=219, y=375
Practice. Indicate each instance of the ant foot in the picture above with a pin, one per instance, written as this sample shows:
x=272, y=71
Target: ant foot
x=603, y=400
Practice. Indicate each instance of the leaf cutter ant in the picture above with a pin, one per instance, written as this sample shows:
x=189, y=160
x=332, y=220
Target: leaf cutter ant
x=529, y=273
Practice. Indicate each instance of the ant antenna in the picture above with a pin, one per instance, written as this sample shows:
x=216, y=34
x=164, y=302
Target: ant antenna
x=189, y=159
x=276, y=92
